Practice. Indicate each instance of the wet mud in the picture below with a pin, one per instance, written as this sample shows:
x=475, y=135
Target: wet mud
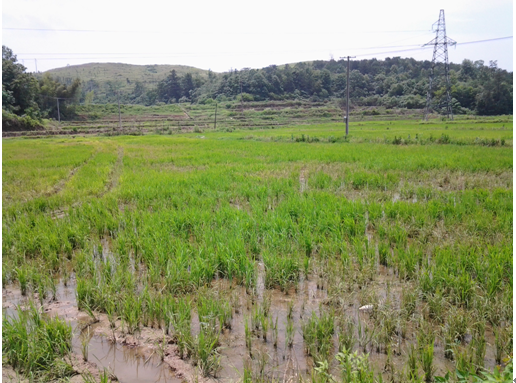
x=144, y=357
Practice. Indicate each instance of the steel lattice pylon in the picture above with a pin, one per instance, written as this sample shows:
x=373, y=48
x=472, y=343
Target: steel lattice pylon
x=440, y=43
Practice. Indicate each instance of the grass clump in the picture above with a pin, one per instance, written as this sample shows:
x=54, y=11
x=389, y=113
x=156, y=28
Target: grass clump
x=35, y=346
x=317, y=334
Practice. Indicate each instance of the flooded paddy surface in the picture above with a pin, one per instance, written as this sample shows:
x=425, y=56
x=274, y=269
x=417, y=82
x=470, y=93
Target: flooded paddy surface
x=128, y=364
x=135, y=358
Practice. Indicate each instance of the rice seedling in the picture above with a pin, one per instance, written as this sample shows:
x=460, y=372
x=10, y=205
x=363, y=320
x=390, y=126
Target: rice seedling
x=248, y=334
x=464, y=360
x=262, y=358
x=104, y=377
x=264, y=321
x=408, y=302
x=161, y=347
x=412, y=362
x=256, y=316
x=275, y=332
x=51, y=282
x=22, y=274
x=204, y=352
x=111, y=314
x=317, y=334
x=211, y=310
x=347, y=338
x=426, y=358
x=35, y=345
x=289, y=333
x=386, y=326
x=425, y=345
x=365, y=335
x=85, y=340
x=454, y=330
x=503, y=343
x=180, y=319
x=478, y=343
x=131, y=308
x=6, y=276
x=290, y=309
x=248, y=372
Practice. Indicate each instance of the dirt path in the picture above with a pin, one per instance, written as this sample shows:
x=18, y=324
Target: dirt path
x=61, y=184
x=116, y=172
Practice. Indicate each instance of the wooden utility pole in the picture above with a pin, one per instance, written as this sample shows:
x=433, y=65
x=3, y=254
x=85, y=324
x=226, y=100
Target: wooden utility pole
x=215, y=124
x=119, y=114
x=241, y=98
x=346, y=117
x=347, y=99
x=58, y=114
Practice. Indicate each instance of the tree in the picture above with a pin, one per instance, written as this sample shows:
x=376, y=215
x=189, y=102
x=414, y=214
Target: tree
x=496, y=94
x=187, y=85
x=20, y=88
x=50, y=90
x=169, y=90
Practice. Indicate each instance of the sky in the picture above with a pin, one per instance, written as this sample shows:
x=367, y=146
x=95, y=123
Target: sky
x=230, y=34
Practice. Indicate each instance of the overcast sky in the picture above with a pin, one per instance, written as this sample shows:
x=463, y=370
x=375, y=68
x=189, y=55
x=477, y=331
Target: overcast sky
x=225, y=34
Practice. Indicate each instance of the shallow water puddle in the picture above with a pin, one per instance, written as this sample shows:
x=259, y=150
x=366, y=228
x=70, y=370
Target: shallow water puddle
x=126, y=363
x=282, y=361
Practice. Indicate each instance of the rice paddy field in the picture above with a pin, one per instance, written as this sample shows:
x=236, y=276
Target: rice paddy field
x=293, y=254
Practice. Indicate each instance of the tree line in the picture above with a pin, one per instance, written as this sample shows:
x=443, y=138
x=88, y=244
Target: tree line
x=393, y=82
x=26, y=100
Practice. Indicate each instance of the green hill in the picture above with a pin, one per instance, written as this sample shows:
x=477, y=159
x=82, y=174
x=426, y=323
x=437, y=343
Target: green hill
x=100, y=77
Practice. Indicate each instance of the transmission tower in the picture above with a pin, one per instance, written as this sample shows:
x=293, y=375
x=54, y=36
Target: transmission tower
x=440, y=43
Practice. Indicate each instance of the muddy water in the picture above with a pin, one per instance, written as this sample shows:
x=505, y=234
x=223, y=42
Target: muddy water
x=285, y=363
x=127, y=364
x=282, y=362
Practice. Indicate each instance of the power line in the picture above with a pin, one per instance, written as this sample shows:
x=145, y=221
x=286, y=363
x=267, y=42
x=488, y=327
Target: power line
x=416, y=47
x=484, y=41
x=186, y=53
x=160, y=54
x=199, y=33
x=74, y=30
x=426, y=47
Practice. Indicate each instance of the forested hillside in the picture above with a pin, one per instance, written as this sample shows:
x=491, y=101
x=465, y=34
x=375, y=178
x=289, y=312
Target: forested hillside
x=393, y=82
x=476, y=88
x=101, y=81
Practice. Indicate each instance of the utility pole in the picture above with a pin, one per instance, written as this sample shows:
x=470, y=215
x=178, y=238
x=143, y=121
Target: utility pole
x=241, y=98
x=36, y=61
x=215, y=124
x=119, y=115
x=346, y=117
x=58, y=114
x=440, y=55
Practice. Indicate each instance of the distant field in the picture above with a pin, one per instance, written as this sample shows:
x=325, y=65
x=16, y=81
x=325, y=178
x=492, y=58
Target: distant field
x=285, y=121
x=269, y=253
